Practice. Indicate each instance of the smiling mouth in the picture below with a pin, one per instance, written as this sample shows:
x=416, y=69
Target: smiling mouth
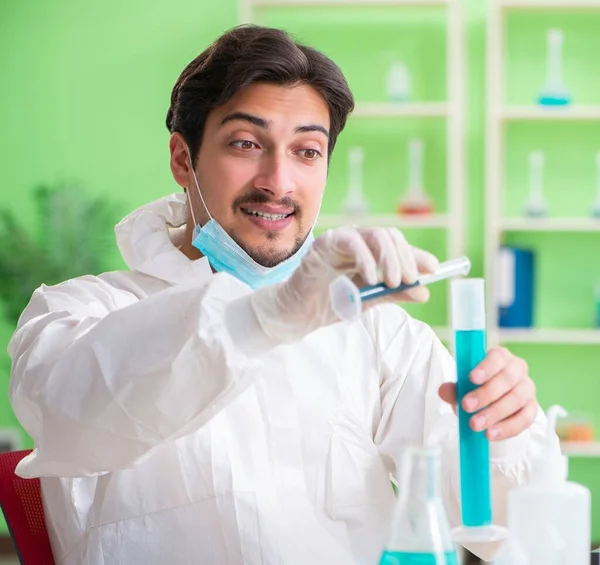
x=266, y=216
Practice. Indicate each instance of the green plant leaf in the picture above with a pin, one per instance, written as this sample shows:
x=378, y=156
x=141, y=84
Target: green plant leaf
x=73, y=237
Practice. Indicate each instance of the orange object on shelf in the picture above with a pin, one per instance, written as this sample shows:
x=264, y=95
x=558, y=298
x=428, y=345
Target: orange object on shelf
x=414, y=208
x=579, y=432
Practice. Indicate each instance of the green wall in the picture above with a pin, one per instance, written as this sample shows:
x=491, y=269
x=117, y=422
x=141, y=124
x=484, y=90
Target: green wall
x=85, y=89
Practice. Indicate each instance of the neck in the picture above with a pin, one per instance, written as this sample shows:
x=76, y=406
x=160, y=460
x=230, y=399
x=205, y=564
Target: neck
x=187, y=248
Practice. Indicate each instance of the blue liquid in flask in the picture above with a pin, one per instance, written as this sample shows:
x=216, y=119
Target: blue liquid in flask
x=410, y=558
x=554, y=100
x=420, y=532
x=470, y=348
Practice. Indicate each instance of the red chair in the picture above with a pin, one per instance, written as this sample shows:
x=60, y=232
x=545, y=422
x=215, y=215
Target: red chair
x=21, y=503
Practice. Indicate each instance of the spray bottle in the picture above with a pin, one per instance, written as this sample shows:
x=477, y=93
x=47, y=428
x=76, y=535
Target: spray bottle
x=549, y=521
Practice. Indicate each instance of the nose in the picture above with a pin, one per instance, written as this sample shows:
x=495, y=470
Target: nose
x=276, y=176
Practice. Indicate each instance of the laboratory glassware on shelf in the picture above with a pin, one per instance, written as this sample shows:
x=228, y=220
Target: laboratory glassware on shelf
x=355, y=202
x=416, y=199
x=399, y=82
x=597, y=304
x=596, y=208
x=554, y=92
x=536, y=205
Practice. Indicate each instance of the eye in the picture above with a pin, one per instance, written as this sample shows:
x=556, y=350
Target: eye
x=311, y=154
x=243, y=144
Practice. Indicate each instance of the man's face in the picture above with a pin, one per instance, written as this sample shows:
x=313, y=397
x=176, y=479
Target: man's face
x=262, y=168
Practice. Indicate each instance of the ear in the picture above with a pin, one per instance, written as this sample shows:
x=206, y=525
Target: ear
x=180, y=164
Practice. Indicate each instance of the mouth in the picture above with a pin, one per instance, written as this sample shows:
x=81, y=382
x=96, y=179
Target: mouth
x=266, y=215
x=270, y=221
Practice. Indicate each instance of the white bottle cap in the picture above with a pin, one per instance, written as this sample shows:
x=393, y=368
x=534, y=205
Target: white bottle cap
x=468, y=304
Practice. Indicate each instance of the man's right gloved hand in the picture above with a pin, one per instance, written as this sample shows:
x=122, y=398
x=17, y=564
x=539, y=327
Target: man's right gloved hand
x=287, y=311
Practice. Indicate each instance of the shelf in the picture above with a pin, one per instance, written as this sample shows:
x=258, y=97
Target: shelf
x=580, y=448
x=400, y=110
x=548, y=4
x=551, y=224
x=365, y=3
x=538, y=113
x=557, y=336
x=434, y=221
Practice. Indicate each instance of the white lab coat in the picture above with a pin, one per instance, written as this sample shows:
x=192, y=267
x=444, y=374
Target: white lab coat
x=169, y=430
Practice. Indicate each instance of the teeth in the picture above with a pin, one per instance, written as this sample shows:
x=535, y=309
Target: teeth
x=271, y=217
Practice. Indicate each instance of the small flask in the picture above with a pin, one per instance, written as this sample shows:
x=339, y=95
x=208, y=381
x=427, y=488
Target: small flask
x=355, y=202
x=399, y=84
x=420, y=533
x=416, y=200
x=597, y=301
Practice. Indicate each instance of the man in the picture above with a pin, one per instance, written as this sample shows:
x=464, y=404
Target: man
x=207, y=406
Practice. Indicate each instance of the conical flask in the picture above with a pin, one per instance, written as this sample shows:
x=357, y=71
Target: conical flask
x=420, y=533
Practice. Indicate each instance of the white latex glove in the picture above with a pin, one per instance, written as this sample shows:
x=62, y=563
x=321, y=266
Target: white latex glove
x=287, y=311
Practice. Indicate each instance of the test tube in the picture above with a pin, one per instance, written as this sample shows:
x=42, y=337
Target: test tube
x=468, y=320
x=454, y=267
x=346, y=299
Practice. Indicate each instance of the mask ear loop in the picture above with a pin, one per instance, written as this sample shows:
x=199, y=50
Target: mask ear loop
x=198, y=189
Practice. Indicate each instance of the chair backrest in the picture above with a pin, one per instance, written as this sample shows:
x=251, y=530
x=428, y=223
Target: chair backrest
x=21, y=503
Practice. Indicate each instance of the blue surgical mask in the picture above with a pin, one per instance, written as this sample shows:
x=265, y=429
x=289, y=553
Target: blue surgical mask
x=225, y=255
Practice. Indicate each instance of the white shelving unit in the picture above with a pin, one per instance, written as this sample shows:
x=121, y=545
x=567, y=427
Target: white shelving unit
x=546, y=5
x=580, y=448
x=341, y=3
x=452, y=110
x=434, y=221
x=562, y=336
x=550, y=224
x=498, y=116
x=533, y=113
x=407, y=110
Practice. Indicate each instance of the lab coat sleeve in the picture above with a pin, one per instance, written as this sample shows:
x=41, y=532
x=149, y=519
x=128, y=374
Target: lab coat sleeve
x=414, y=363
x=99, y=378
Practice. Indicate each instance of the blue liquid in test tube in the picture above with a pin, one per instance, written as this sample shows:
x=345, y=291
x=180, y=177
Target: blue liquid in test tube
x=474, y=446
x=468, y=315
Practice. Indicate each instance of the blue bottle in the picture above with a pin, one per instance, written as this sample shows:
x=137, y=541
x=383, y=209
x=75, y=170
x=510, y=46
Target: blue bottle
x=468, y=317
x=516, y=283
x=420, y=533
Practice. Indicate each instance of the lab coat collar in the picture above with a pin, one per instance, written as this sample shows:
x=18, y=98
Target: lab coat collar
x=148, y=240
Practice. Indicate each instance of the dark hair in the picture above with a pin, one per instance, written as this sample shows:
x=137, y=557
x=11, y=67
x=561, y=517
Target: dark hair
x=246, y=55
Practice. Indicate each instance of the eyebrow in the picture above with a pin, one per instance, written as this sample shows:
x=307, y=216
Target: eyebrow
x=243, y=116
x=312, y=127
x=264, y=124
